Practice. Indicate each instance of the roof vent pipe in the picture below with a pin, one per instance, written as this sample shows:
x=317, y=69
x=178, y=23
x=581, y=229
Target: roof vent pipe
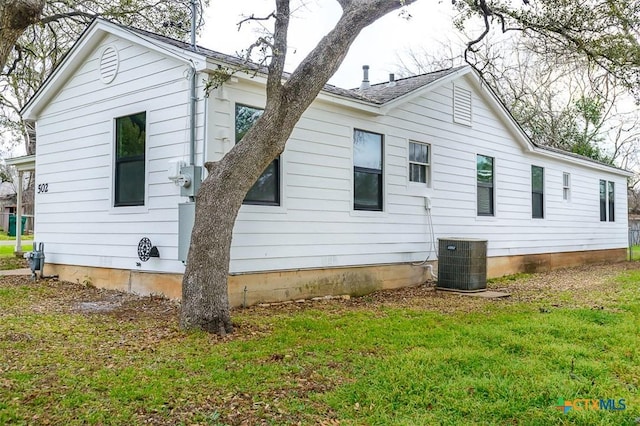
x=365, y=79
x=392, y=80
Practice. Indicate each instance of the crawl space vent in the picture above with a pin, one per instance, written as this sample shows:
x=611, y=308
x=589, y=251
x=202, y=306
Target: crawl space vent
x=108, y=64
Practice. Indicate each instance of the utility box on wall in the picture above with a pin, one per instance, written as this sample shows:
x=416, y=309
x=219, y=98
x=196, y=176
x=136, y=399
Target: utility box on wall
x=462, y=264
x=186, y=219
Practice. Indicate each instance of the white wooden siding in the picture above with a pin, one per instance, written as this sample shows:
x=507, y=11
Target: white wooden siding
x=315, y=226
x=76, y=219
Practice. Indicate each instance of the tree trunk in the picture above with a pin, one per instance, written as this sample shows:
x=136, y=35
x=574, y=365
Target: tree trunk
x=15, y=17
x=205, y=301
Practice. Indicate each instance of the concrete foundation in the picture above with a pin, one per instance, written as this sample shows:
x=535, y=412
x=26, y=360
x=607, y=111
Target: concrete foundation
x=263, y=287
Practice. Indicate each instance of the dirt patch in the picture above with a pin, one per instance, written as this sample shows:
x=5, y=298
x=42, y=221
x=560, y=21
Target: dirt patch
x=549, y=287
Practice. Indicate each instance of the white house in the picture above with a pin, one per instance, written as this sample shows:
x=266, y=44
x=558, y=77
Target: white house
x=369, y=179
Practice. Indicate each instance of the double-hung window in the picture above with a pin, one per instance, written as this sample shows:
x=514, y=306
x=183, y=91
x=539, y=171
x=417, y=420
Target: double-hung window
x=367, y=171
x=485, y=186
x=537, y=192
x=566, y=186
x=607, y=201
x=266, y=190
x=130, y=173
x=419, y=170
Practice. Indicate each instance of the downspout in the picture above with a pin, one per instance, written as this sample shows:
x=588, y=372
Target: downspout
x=192, y=117
x=193, y=99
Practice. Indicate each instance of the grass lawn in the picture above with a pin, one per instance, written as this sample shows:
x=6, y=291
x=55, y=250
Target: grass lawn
x=76, y=355
x=5, y=237
x=8, y=260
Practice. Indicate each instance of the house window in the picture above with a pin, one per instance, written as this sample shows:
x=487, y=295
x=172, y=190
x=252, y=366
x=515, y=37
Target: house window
x=266, y=190
x=607, y=201
x=612, y=199
x=419, y=162
x=485, y=185
x=566, y=186
x=367, y=171
x=537, y=192
x=130, y=161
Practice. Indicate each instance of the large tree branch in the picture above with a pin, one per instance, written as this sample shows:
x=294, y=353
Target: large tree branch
x=15, y=17
x=65, y=15
x=323, y=61
x=279, y=49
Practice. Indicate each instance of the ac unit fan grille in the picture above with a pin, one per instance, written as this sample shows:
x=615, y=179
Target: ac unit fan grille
x=462, y=264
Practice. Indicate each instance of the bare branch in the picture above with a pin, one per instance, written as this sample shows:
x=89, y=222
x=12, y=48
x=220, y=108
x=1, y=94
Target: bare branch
x=279, y=49
x=66, y=15
x=252, y=17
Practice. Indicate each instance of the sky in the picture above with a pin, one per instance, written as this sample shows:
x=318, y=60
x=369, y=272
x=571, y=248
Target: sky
x=377, y=45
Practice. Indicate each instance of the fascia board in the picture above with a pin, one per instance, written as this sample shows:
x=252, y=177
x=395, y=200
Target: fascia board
x=503, y=113
x=259, y=79
x=583, y=162
x=525, y=141
x=96, y=32
x=22, y=164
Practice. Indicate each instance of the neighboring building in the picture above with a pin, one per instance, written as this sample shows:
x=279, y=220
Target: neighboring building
x=7, y=204
x=348, y=206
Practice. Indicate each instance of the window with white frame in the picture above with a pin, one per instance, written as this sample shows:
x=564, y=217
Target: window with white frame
x=566, y=186
x=129, y=185
x=485, y=187
x=367, y=170
x=419, y=164
x=537, y=192
x=607, y=201
x=266, y=190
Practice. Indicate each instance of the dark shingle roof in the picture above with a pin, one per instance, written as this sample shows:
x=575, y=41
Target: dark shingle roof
x=384, y=92
x=377, y=93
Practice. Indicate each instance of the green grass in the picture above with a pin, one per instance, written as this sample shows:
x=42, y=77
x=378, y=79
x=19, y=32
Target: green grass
x=498, y=362
x=7, y=251
x=634, y=253
x=5, y=237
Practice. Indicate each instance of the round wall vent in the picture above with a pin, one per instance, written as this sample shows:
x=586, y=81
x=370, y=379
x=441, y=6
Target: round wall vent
x=109, y=64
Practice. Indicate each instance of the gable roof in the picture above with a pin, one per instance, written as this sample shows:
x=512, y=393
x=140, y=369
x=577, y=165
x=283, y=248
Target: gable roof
x=382, y=93
x=378, y=98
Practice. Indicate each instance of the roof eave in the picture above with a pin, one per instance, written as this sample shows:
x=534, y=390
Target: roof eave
x=582, y=161
x=25, y=163
x=89, y=40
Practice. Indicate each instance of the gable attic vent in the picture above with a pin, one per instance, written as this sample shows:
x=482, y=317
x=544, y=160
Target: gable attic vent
x=461, y=106
x=109, y=62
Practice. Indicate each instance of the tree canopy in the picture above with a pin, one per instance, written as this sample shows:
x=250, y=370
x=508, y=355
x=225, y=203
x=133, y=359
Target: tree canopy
x=31, y=47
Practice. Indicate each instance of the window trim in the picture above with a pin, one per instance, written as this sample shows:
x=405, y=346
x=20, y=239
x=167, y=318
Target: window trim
x=116, y=162
x=611, y=202
x=426, y=165
x=608, y=203
x=566, y=186
x=491, y=186
x=541, y=193
x=378, y=172
x=277, y=161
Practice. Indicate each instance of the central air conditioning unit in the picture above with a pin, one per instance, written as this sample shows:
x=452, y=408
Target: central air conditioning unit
x=462, y=264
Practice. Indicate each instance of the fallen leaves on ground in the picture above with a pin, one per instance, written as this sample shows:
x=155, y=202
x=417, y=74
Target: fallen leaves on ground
x=156, y=322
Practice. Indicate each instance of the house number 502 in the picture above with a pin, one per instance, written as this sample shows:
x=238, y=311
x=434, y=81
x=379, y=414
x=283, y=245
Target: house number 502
x=43, y=187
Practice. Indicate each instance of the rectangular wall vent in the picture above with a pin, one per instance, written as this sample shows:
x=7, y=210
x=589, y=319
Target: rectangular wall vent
x=462, y=106
x=462, y=264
